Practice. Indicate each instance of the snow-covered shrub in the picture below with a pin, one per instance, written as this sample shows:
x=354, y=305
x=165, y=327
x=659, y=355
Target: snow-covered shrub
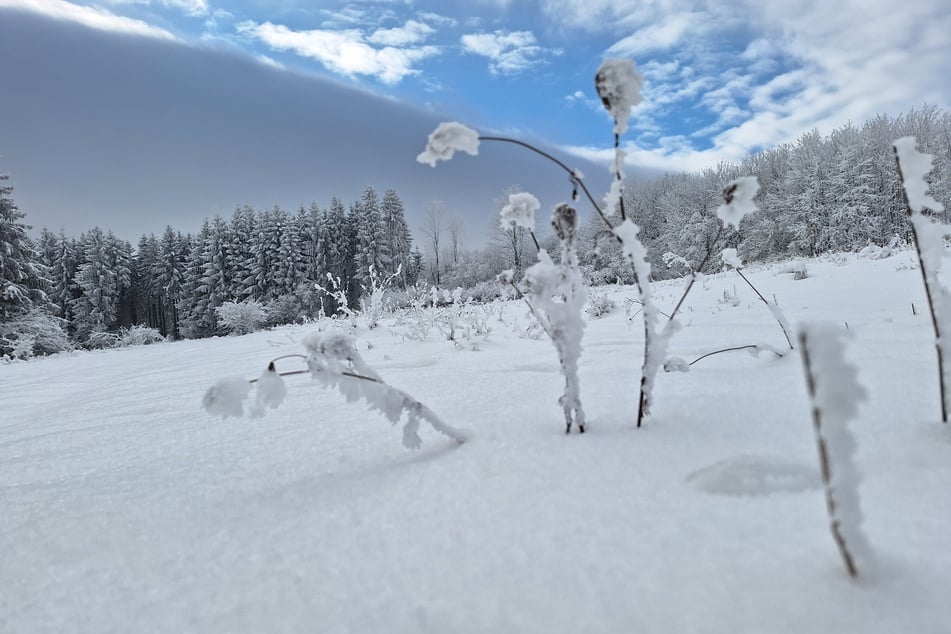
x=929, y=233
x=287, y=309
x=241, y=318
x=374, y=295
x=599, y=304
x=33, y=333
x=835, y=393
x=332, y=360
x=798, y=270
x=101, y=340
x=139, y=335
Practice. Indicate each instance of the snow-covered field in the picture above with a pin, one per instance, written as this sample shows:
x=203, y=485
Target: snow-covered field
x=125, y=507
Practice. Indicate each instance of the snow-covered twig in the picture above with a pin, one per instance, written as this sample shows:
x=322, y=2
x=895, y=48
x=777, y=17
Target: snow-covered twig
x=755, y=347
x=913, y=167
x=333, y=360
x=835, y=394
x=773, y=308
x=556, y=297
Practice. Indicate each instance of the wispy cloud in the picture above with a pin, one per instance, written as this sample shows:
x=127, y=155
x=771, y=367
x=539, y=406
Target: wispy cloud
x=657, y=37
x=509, y=52
x=412, y=32
x=346, y=52
x=91, y=17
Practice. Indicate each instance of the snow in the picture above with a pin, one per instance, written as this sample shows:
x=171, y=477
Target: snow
x=446, y=140
x=127, y=507
x=619, y=85
x=738, y=196
x=519, y=212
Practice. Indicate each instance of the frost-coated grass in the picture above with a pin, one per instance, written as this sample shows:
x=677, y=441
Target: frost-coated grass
x=125, y=507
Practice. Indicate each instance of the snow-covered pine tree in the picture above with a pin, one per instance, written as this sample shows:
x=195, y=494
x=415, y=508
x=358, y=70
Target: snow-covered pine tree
x=22, y=274
x=243, y=227
x=338, y=250
x=168, y=277
x=372, y=245
x=96, y=309
x=399, y=240
x=144, y=296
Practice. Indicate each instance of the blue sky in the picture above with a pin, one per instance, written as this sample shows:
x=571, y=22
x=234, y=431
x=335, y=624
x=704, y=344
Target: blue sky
x=722, y=78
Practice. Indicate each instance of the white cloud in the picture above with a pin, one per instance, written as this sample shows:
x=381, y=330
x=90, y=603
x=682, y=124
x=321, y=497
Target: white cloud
x=656, y=37
x=509, y=53
x=92, y=17
x=412, y=32
x=437, y=19
x=345, y=51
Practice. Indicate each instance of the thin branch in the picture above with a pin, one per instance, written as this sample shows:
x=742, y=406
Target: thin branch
x=696, y=272
x=571, y=173
x=771, y=306
x=751, y=346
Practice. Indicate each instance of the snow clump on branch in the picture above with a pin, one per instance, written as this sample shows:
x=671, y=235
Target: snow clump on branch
x=915, y=166
x=738, y=196
x=520, y=212
x=446, y=139
x=619, y=86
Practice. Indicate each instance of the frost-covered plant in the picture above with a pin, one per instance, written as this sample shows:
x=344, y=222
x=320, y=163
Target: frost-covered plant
x=732, y=261
x=101, y=340
x=928, y=233
x=374, y=295
x=599, y=304
x=338, y=292
x=139, y=335
x=31, y=333
x=333, y=361
x=241, y=318
x=556, y=296
x=835, y=393
x=618, y=83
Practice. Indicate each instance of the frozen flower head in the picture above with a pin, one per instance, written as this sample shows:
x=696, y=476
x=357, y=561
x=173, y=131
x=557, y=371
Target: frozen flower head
x=619, y=86
x=564, y=221
x=446, y=139
x=519, y=212
x=731, y=259
x=738, y=200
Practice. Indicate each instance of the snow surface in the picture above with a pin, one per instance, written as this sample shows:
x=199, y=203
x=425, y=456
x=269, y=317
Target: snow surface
x=126, y=507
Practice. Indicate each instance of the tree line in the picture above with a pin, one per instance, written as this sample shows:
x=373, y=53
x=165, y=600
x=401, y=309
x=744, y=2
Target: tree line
x=823, y=193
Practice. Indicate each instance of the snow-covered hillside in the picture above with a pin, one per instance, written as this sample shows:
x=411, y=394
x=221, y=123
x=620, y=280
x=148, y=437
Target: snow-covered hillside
x=125, y=507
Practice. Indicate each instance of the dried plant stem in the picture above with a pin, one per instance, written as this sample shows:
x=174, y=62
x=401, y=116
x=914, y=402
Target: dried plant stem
x=772, y=307
x=925, y=278
x=751, y=346
x=694, y=274
x=824, y=465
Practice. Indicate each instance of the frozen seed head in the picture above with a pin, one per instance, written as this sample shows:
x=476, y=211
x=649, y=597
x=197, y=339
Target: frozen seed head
x=738, y=200
x=446, y=139
x=619, y=86
x=564, y=221
x=519, y=212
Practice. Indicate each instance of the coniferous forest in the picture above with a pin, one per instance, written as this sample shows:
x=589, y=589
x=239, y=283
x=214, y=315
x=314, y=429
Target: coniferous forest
x=823, y=193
